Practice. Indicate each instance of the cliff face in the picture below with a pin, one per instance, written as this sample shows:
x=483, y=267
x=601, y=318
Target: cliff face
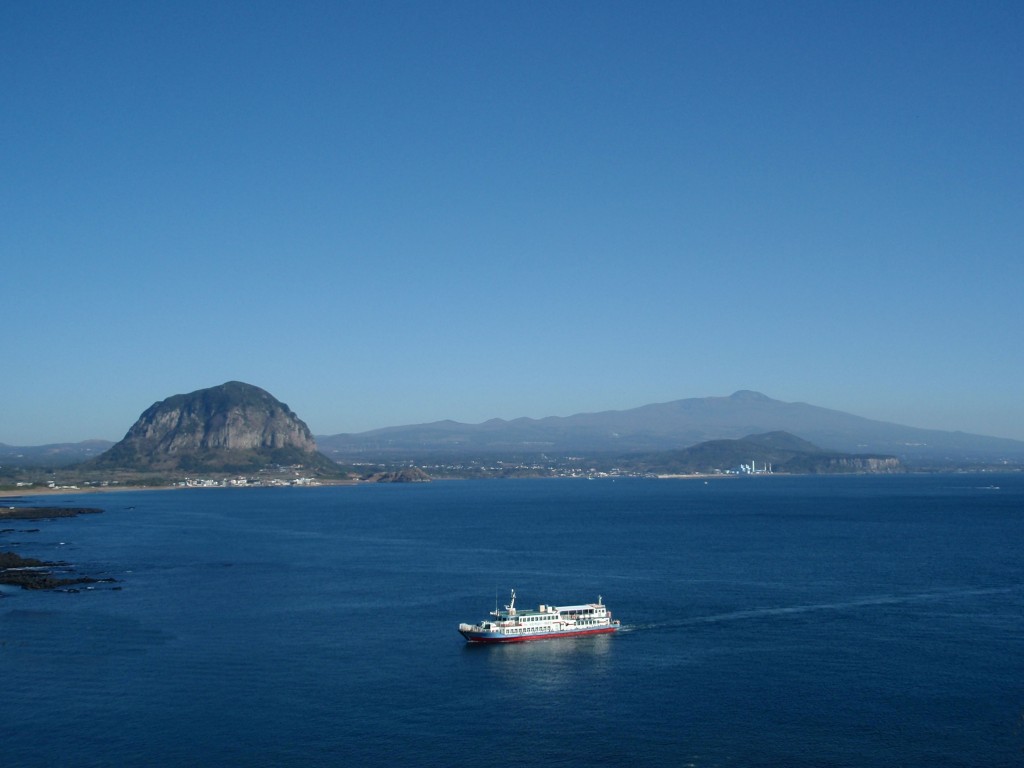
x=234, y=416
x=232, y=426
x=884, y=465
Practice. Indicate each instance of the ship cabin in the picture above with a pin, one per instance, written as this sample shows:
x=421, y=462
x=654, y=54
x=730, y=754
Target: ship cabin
x=588, y=611
x=545, y=615
x=546, y=620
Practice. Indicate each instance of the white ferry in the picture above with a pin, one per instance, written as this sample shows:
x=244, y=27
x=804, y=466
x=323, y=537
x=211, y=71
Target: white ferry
x=515, y=626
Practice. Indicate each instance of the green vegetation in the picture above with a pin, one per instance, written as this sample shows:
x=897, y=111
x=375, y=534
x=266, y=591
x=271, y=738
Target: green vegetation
x=781, y=451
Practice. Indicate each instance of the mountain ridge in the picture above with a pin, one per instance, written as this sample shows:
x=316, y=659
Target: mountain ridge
x=51, y=454
x=672, y=425
x=676, y=425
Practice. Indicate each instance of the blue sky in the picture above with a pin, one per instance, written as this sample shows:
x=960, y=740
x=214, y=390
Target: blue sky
x=398, y=212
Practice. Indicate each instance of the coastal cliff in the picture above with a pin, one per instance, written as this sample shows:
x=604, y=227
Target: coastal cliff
x=233, y=426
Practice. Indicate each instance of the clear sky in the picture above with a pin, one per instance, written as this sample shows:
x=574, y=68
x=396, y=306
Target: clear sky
x=389, y=213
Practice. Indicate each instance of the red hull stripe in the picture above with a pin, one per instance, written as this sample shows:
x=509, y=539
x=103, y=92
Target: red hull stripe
x=525, y=638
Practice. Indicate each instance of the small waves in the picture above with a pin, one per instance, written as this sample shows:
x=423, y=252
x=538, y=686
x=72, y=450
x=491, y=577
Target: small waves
x=872, y=601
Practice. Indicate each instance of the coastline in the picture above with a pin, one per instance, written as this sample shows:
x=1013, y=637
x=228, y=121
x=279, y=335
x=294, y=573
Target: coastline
x=14, y=493
x=33, y=573
x=697, y=476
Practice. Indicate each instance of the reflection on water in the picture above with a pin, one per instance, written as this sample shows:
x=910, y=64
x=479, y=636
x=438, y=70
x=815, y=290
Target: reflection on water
x=798, y=622
x=546, y=664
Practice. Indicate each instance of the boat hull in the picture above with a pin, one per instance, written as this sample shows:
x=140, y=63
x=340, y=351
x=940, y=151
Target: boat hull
x=494, y=638
x=547, y=622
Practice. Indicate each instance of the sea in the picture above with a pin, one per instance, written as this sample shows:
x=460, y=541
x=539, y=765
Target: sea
x=767, y=621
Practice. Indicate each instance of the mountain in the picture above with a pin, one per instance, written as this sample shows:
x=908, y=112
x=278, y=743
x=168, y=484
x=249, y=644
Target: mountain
x=52, y=455
x=232, y=427
x=780, y=451
x=674, y=425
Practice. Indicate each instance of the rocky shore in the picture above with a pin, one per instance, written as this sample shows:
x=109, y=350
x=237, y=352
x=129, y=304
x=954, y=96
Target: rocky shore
x=44, y=513
x=29, y=572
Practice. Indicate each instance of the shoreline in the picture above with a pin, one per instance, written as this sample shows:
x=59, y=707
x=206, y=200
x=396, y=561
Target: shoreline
x=14, y=493
x=32, y=573
x=697, y=476
x=36, y=492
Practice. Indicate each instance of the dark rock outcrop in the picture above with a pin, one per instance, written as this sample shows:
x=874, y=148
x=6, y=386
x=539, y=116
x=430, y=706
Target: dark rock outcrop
x=45, y=513
x=232, y=427
x=30, y=573
x=404, y=475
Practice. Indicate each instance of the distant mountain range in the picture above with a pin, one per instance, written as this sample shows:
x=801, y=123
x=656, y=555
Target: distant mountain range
x=235, y=424
x=672, y=426
x=51, y=455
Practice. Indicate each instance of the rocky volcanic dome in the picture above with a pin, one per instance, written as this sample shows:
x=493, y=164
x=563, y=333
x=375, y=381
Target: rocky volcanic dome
x=233, y=425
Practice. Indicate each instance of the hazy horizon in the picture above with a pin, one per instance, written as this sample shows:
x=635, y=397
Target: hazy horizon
x=391, y=214
x=320, y=433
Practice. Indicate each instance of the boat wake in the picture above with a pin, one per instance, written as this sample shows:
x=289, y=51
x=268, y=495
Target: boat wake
x=796, y=610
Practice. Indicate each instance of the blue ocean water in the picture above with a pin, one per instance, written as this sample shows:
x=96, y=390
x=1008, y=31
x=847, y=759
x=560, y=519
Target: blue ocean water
x=768, y=622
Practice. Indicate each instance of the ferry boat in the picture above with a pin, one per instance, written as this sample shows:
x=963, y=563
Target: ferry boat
x=512, y=625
